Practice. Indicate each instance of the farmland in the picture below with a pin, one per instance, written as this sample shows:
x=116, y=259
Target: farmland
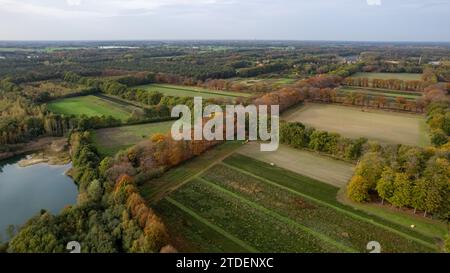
x=110, y=140
x=188, y=91
x=351, y=122
x=306, y=163
x=244, y=205
x=381, y=92
x=388, y=76
x=92, y=106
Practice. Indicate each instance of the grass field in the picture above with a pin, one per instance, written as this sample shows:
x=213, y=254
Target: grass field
x=386, y=127
x=92, y=106
x=310, y=164
x=240, y=204
x=382, y=92
x=111, y=140
x=388, y=76
x=189, y=91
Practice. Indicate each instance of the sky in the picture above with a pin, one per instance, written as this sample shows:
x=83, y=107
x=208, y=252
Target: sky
x=339, y=20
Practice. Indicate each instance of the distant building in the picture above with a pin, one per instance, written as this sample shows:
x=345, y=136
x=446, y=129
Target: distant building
x=350, y=59
x=435, y=63
x=392, y=62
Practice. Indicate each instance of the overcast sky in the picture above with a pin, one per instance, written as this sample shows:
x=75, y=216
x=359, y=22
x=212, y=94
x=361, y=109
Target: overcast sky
x=356, y=20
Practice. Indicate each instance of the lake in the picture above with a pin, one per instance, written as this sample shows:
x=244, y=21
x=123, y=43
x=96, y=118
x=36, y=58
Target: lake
x=25, y=191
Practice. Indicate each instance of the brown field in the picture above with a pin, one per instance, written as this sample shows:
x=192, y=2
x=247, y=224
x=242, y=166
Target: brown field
x=385, y=127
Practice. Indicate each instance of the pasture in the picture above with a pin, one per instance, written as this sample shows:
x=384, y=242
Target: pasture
x=111, y=140
x=381, y=92
x=189, y=91
x=388, y=76
x=92, y=106
x=240, y=204
x=385, y=127
x=310, y=164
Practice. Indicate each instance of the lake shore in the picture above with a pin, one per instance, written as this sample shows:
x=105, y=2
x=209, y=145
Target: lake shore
x=56, y=153
x=30, y=147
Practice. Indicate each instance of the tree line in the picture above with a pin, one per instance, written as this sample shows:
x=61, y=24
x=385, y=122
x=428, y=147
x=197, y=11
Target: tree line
x=393, y=84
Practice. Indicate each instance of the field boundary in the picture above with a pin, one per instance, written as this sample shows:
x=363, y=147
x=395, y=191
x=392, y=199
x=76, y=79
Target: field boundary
x=432, y=246
x=279, y=217
x=211, y=225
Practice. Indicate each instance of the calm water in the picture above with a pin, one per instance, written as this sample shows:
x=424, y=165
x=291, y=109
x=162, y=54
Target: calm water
x=25, y=191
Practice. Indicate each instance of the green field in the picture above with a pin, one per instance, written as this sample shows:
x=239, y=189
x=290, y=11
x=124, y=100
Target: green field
x=381, y=92
x=248, y=82
x=310, y=164
x=189, y=91
x=111, y=140
x=244, y=205
x=386, y=127
x=388, y=76
x=92, y=106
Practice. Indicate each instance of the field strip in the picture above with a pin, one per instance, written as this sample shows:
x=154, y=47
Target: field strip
x=197, y=91
x=280, y=217
x=212, y=226
x=333, y=207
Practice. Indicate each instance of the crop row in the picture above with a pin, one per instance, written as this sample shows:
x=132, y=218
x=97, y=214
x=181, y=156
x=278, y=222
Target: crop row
x=257, y=228
x=310, y=187
x=340, y=227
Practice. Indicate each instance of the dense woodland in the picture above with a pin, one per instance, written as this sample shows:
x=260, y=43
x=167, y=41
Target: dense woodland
x=111, y=216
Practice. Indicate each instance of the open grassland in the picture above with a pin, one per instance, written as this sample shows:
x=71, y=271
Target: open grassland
x=388, y=76
x=381, y=92
x=92, y=106
x=189, y=91
x=386, y=127
x=245, y=205
x=310, y=164
x=111, y=140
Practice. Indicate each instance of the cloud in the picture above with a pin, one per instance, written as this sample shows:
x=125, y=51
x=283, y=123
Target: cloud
x=30, y=8
x=374, y=2
x=96, y=8
x=73, y=2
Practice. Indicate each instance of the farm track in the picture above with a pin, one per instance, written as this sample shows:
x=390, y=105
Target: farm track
x=355, y=216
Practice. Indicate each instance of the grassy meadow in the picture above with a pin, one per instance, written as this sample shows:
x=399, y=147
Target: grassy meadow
x=92, y=106
x=189, y=91
x=111, y=140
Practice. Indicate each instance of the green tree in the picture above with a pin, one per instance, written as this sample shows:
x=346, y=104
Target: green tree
x=370, y=167
x=447, y=243
x=95, y=190
x=385, y=186
x=402, y=190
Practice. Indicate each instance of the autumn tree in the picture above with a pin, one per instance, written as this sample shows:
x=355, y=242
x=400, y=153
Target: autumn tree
x=358, y=189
